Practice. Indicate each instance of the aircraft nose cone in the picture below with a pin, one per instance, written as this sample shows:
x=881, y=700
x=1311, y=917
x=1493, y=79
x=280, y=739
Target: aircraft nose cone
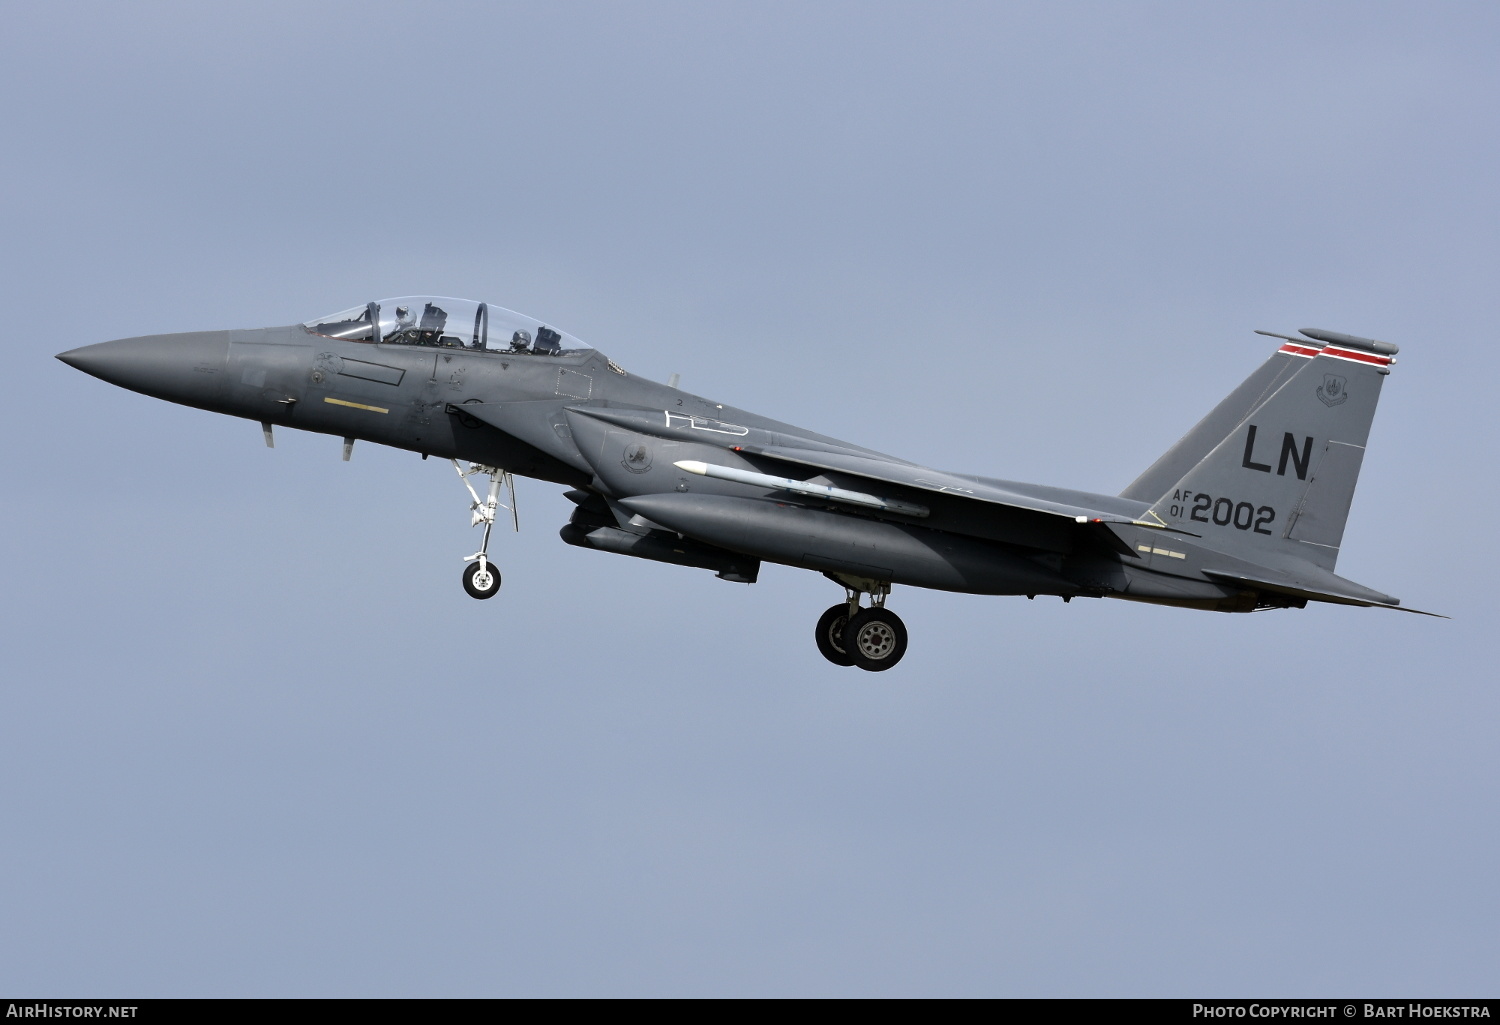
x=97, y=360
x=181, y=368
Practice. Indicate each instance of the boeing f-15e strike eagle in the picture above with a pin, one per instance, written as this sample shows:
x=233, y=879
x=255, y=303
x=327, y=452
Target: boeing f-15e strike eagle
x=1245, y=512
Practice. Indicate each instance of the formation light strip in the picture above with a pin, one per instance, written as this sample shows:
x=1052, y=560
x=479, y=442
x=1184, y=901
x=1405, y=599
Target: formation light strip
x=357, y=405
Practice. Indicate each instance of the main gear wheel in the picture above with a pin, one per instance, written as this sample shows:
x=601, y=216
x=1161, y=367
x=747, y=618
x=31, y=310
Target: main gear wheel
x=875, y=639
x=830, y=634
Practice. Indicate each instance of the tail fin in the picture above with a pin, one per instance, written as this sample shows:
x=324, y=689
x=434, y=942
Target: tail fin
x=1282, y=479
x=1218, y=424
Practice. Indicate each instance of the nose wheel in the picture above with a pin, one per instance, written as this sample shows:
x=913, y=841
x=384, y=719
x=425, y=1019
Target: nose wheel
x=873, y=638
x=481, y=578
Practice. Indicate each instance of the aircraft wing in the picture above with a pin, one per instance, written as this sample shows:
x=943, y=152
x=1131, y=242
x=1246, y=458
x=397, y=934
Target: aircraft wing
x=1076, y=506
x=921, y=478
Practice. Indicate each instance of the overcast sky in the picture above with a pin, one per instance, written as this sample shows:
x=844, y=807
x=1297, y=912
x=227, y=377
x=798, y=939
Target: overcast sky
x=255, y=740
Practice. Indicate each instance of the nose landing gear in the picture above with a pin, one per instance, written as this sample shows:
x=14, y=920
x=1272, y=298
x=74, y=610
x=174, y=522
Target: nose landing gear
x=874, y=638
x=481, y=578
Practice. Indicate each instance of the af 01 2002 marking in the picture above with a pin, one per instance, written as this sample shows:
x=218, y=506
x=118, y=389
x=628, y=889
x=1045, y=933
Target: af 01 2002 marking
x=1223, y=512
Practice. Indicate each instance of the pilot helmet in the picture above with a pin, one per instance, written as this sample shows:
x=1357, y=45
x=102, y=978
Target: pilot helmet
x=520, y=340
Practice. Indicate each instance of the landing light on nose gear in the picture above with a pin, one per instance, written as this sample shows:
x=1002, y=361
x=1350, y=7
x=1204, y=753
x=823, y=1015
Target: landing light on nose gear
x=874, y=638
x=481, y=578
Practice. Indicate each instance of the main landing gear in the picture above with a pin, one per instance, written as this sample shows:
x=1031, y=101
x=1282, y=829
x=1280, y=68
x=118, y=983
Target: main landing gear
x=481, y=577
x=874, y=638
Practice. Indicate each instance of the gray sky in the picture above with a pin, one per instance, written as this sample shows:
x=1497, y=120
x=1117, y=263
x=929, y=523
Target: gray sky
x=255, y=740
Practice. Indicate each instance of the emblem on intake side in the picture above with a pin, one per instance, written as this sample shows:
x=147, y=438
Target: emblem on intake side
x=637, y=457
x=326, y=365
x=1332, y=391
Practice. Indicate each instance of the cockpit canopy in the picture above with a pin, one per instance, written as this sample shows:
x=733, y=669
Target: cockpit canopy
x=443, y=322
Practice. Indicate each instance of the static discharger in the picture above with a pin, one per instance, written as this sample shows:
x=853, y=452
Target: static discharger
x=802, y=487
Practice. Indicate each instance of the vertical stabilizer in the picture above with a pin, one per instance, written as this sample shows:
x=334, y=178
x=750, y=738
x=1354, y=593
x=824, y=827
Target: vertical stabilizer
x=1281, y=481
x=1213, y=428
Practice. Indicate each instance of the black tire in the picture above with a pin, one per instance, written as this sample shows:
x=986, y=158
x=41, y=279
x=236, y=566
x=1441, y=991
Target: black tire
x=830, y=635
x=491, y=589
x=875, y=639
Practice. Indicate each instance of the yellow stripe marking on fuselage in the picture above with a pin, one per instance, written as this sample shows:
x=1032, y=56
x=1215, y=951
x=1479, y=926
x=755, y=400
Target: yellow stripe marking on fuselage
x=356, y=405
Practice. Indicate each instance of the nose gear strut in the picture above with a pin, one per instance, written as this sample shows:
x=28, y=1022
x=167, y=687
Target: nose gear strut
x=481, y=578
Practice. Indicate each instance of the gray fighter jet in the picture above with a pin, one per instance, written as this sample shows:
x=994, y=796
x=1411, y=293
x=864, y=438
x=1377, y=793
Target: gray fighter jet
x=1246, y=512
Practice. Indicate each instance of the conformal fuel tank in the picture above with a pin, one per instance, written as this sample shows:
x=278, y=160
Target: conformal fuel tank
x=838, y=543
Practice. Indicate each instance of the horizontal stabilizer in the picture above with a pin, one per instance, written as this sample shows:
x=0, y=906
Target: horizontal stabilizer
x=1341, y=591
